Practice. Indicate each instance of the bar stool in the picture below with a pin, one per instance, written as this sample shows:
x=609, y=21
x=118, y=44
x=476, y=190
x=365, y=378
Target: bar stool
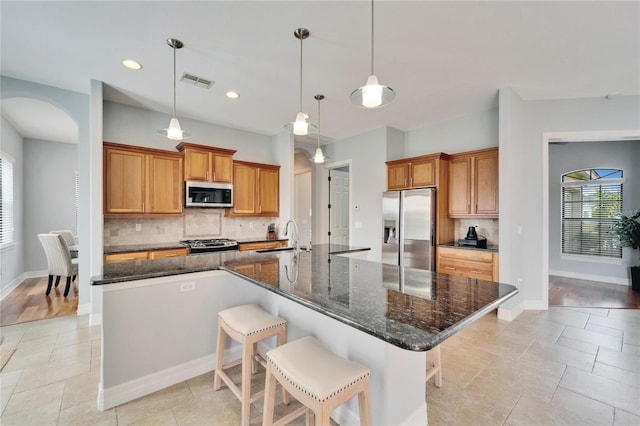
x=434, y=368
x=247, y=324
x=317, y=378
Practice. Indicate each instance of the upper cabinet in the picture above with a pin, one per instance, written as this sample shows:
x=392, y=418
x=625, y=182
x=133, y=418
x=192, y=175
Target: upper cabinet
x=256, y=189
x=473, y=184
x=426, y=171
x=207, y=164
x=141, y=182
x=416, y=172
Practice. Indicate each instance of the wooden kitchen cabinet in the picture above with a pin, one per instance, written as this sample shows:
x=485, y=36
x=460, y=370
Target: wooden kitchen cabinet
x=468, y=263
x=426, y=171
x=144, y=255
x=256, y=189
x=262, y=245
x=415, y=172
x=266, y=271
x=473, y=184
x=141, y=182
x=207, y=164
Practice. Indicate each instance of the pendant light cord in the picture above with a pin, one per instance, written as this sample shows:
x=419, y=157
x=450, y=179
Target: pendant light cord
x=319, y=121
x=371, y=37
x=174, y=81
x=301, y=38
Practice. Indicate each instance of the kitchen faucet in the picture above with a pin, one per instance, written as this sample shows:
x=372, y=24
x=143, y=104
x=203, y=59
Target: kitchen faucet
x=294, y=235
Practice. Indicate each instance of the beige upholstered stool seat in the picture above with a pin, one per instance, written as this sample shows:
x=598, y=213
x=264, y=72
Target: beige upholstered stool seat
x=317, y=378
x=247, y=324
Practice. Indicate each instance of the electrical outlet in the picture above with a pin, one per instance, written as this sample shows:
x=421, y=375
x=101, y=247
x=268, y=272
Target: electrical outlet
x=188, y=286
x=520, y=281
x=138, y=227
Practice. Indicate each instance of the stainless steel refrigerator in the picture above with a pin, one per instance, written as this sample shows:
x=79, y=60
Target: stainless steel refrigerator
x=408, y=227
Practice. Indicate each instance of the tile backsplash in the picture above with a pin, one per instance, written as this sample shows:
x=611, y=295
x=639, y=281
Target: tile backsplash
x=196, y=223
x=487, y=228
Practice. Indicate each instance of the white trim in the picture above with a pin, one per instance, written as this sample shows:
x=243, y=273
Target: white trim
x=324, y=197
x=584, y=136
x=95, y=319
x=616, y=181
x=591, y=259
x=84, y=309
x=19, y=279
x=536, y=305
x=133, y=389
x=591, y=277
x=510, y=314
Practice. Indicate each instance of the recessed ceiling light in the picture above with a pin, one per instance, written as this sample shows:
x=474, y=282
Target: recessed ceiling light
x=131, y=64
x=232, y=94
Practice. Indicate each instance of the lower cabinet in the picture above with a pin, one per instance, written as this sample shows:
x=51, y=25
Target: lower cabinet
x=266, y=271
x=482, y=265
x=261, y=245
x=144, y=255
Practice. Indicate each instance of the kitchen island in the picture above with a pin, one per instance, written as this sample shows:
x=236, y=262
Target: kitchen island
x=159, y=318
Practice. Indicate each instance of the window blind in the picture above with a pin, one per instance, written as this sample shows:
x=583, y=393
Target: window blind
x=589, y=209
x=6, y=200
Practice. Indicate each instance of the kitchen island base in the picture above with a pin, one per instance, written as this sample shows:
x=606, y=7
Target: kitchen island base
x=161, y=331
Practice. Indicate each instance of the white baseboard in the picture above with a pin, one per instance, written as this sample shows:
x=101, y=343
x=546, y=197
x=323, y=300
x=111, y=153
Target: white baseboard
x=591, y=277
x=133, y=389
x=535, y=305
x=84, y=309
x=125, y=392
x=95, y=319
x=510, y=314
x=19, y=279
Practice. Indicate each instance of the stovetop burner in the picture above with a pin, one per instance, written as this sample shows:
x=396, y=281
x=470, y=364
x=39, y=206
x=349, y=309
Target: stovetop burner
x=209, y=245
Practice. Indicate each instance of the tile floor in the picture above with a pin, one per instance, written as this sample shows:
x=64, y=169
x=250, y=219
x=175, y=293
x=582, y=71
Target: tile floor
x=565, y=366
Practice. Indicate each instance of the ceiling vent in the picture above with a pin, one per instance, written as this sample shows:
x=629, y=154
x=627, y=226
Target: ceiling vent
x=196, y=81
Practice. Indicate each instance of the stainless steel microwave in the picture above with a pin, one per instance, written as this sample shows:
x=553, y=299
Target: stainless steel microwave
x=208, y=194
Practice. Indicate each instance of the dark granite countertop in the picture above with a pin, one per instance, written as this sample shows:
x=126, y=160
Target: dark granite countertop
x=458, y=246
x=409, y=308
x=142, y=247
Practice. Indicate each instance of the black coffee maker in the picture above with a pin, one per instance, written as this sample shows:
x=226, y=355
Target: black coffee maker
x=472, y=239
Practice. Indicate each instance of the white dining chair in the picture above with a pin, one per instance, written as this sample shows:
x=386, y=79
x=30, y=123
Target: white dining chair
x=69, y=238
x=59, y=260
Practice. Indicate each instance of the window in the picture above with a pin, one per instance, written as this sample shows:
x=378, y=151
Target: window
x=591, y=201
x=6, y=200
x=77, y=189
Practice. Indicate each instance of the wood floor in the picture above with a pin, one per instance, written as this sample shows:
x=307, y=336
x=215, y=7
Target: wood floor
x=571, y=292
x=28, y=302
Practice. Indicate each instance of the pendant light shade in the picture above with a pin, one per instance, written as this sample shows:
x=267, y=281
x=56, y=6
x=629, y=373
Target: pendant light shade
x=174, y=131
x=319, y=156
x=300, y=125
x=372, y=94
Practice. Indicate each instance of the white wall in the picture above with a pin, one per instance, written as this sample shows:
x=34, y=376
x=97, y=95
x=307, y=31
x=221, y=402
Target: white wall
x=12, y=257
x=135, y=126
x=49, y=201
x=367, y=153
x=522, y=124
x=474, y=131
x=586, y=155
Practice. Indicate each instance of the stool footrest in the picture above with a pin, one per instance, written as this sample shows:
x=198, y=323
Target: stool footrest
x=291, y=416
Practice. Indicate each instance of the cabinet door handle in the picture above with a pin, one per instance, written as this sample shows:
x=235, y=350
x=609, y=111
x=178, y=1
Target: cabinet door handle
x=170, y=255
x=405, y=181
x=142, y=207
x=214, y=175
x=451, y=268
x=410, y=181
x=476, y=272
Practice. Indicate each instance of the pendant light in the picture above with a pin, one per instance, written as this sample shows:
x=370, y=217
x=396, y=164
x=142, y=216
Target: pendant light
x=319, y=157
x=300, y=125
x=372, y=94
x=174, y=131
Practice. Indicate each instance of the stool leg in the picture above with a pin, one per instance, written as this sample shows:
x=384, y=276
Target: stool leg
x=269, y=398
x=247, y=350
x=282, y=339
x=219, y=357
x=437, y=362
x=254, y=363
x=323, y=418
x=364, y=404
x=310, y=418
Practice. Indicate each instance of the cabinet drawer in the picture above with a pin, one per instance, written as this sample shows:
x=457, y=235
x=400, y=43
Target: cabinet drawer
x=125, y=257
x=466, y=268
x=261, y=245
x=477, y=264
x=161, y=254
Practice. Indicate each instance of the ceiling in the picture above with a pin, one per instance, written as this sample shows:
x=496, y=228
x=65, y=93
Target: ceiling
x=444, y=59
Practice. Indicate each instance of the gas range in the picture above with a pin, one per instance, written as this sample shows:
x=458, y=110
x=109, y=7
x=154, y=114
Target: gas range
x=210, y=245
